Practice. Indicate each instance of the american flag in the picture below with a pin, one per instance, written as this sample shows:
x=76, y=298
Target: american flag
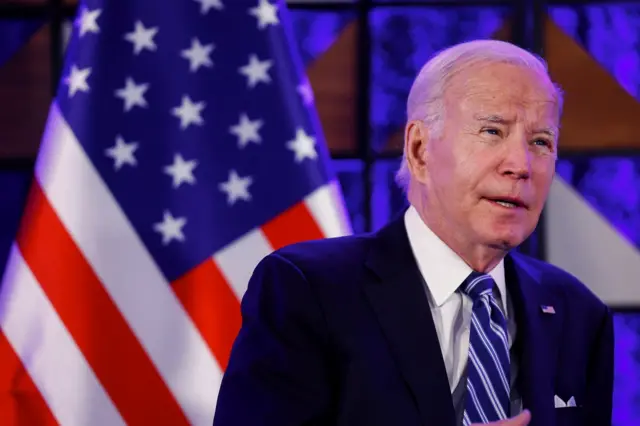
x=548, y=309
x=181, y=148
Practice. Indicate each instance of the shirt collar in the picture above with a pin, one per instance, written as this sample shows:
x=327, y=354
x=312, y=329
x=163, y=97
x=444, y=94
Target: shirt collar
x=442, y=268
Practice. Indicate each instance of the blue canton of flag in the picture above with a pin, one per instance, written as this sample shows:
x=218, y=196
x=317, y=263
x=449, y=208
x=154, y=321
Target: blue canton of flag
x=197, y=116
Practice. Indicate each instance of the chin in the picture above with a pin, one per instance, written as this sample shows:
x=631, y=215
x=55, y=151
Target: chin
x=506, y=239
x=502, y=245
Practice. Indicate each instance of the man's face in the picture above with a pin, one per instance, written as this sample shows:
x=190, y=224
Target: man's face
x=486, y=179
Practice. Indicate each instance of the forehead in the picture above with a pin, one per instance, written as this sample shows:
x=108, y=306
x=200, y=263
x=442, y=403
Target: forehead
x=503, y=89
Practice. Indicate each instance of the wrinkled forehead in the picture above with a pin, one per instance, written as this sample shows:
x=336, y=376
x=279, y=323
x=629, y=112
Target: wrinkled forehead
x=505, y=90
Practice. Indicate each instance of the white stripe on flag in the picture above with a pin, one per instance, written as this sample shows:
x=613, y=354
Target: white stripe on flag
x=100, y=229
x=48, y=352
x=327, y=208
x=238, y=260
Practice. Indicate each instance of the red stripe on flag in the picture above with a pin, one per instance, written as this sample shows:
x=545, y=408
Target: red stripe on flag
x=20, y=401
x=212, y=306
x=101, y=333
x=294, y=225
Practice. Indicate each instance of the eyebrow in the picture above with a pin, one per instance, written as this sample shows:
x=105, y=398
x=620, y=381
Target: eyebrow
x=493, y=118
x=547, y=131
x=498, y=119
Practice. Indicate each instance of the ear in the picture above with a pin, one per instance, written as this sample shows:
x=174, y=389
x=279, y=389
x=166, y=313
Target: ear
x=415, y=148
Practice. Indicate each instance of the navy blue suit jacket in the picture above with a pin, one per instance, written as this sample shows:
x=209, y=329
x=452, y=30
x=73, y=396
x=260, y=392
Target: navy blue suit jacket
x=339, y=332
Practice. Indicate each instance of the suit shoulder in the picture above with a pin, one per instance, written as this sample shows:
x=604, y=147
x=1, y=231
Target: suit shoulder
x=336, y=252
x=563, y=281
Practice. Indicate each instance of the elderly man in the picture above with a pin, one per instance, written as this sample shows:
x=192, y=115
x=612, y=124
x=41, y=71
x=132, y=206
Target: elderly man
x=435, y=320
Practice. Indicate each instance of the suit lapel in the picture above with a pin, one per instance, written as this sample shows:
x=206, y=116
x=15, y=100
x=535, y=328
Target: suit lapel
x=399, y=300
x=538, y=335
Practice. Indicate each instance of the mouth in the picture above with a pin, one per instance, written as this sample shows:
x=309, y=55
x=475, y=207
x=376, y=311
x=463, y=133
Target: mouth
x=508, y=202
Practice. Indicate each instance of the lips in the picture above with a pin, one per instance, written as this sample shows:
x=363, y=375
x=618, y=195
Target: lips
x=508, y=202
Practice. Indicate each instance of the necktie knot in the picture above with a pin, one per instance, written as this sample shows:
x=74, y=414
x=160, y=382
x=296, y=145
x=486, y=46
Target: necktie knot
x=477, y=285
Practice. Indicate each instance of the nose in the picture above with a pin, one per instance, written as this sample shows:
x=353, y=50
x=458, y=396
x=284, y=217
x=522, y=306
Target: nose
x=517, y=159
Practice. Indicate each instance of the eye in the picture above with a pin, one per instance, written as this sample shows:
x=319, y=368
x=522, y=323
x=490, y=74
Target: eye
x=542, y=142
x=492, y=131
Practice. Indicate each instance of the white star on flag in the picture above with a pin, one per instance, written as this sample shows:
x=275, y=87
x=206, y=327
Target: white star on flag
x=306, y=92
x=266, y=13
x=181, y=171
x=142, y=38
x=205, y=5
x=247, y=130
x=88, y=21
x=256, y=71
x=198, y=55
x=189, y=112
x=77, y=80
x=132, y=94
x=303, y=146
x=170, y=228
x=236, y=188
x=122, y=153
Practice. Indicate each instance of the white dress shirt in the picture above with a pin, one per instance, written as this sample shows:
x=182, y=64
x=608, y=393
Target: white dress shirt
x=443, y=272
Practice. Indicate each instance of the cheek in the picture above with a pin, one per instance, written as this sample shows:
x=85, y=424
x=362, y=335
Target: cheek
x=458, y=170
x=440, y=167
x=478, y=171
x=542, y=177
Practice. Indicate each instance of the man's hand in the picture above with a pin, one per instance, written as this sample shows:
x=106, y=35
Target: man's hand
x=522, y=419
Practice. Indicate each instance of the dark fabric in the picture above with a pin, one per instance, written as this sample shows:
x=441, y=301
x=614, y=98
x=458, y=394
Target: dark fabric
x=14, y=186
x=458, y=396
x=339, y=332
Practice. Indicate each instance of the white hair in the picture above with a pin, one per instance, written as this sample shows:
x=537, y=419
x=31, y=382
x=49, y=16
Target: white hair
x=426, y=97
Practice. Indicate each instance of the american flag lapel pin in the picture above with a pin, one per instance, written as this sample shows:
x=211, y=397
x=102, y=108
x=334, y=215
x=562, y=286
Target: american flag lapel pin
x=547, y=309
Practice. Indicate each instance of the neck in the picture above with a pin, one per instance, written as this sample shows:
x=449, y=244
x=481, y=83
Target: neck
x=479, y=257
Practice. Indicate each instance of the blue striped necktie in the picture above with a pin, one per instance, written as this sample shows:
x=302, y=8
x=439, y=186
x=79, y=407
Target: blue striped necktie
x=488, y=388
